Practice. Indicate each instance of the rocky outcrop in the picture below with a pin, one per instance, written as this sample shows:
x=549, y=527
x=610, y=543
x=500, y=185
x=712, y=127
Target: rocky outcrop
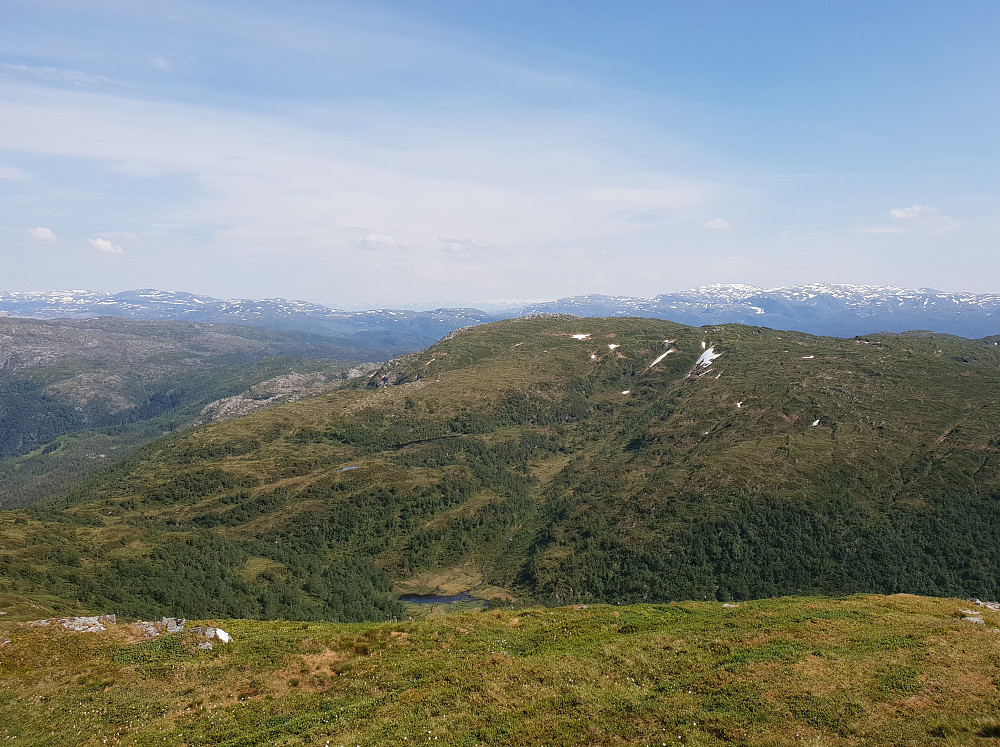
x=165, y=625
x=279, y=390
x=80, y=624
x=995, y=606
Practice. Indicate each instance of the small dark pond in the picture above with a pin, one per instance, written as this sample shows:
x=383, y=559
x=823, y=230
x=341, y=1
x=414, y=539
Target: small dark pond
x=435, y=598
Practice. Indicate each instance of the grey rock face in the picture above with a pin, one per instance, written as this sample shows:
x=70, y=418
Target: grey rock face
x=172, y=624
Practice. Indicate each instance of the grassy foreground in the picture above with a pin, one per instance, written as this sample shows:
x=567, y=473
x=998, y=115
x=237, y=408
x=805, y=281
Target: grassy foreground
x=857, y=670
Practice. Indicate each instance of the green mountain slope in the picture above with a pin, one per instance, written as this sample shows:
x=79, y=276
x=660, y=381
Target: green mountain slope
x=548, y=459
x=76, y=394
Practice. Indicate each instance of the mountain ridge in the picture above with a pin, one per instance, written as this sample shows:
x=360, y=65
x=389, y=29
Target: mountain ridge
x=840, y=310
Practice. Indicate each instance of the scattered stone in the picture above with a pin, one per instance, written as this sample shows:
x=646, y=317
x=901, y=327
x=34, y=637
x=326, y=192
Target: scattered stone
x=173, y=624
x=87, y=624
x=995, y=606
x=149, y=629
x=205, y=646
x=93, y=624
x=729, y=606
x=972, y=616
x=219, y=633
x=2, y=613
x=165, y=625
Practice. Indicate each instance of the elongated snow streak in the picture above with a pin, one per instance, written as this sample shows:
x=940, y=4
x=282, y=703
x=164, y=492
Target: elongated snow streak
x=808, y=357
x=707, y=357
x=627, y=391
x=580, y=336
x=815, y=422
x=703, y=343
x=664, y=355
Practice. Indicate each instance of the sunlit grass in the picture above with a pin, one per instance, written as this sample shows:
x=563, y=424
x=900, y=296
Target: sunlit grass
x=858, y=670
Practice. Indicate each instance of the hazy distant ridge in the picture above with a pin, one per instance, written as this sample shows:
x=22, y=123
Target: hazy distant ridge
x=818, y=308
x=402, y=330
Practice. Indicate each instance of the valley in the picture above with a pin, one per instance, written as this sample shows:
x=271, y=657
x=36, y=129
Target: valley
x=76, y=395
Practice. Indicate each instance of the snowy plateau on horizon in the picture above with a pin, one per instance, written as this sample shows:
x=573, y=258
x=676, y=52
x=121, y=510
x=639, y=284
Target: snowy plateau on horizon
x=828, y=309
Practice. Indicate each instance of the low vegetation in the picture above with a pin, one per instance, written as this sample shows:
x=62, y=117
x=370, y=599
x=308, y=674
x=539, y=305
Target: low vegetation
x=863, y=670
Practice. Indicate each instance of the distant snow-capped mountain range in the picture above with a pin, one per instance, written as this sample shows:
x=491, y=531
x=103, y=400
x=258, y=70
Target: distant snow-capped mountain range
x=838, y=310
x=394, y=329
x=818, y=308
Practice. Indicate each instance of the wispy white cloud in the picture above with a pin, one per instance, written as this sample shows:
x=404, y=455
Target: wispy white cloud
x=51, y=74
x=465, y=247
x=12, y=174
x=262, y=182
x=377, y=241
x=161, y=63
x=41, y=234
x=680, y=197
x=915, y=219
x=925, y=217
x=717, y=224
x=878, y=230
x=914, y=211
x=103, y=245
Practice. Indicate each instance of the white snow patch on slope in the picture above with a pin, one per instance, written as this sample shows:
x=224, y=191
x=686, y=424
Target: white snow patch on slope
x=627, y=391
x=661, y=357
x=612, y=346
x=703, y=344
x=808, y=357
x=707, y=357
x=580, y=336
x=815, y=422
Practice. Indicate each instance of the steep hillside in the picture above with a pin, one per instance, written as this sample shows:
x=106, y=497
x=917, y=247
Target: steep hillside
x=556, y=459
x=898, y=670
x=75, y=394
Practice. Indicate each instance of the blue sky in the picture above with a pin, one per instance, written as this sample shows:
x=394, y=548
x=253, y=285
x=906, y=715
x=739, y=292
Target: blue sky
x=374, y=153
